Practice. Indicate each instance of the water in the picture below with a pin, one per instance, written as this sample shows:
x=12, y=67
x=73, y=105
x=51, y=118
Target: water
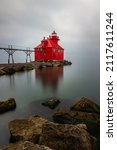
x=30, y=88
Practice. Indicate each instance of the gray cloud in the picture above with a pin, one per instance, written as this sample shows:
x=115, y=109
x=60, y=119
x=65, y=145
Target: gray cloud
x=25, y=22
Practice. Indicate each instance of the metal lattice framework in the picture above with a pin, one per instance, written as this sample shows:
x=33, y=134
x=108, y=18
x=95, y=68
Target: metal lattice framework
x=10, y=51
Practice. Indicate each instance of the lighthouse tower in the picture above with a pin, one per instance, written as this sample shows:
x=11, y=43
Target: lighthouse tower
x=54, y=37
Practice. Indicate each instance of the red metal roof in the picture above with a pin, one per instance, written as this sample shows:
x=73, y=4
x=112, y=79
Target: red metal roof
x=50, y=43
x=38, y=46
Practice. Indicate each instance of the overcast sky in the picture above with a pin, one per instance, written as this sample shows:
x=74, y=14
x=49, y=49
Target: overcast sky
x=26, y=22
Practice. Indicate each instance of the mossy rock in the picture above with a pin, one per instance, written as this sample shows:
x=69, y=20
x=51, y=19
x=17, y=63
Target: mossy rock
x=51, y=103
x=86, y=105
x=7, y=105
x=66, y=116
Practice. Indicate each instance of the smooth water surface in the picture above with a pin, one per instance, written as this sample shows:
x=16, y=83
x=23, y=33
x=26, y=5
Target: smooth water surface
x=30, y=88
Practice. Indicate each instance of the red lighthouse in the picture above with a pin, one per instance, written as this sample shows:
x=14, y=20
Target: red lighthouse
x=49, y=49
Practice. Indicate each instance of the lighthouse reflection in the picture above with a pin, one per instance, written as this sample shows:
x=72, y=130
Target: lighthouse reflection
x=49, y=76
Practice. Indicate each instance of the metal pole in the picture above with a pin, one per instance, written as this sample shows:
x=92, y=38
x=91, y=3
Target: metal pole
x=12, y=54
x=8, y=54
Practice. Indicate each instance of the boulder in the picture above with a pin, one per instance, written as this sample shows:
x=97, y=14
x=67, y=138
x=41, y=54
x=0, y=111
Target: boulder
x=26, y=129
x=66, y=62
x=51, y=103
x=66, y=116
x=24, y=145
x=66, y=137
x=86, y=105
x=7, y=105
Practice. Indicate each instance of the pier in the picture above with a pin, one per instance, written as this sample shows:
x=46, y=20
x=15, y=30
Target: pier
x=10, y=50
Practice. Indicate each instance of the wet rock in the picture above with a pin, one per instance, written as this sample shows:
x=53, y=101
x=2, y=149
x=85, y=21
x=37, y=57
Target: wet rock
x=66, y=137
x=36, y=64
x=51, y=103
x=7, y=105
x=66, y=116
x=2, y=72
x=66, y=62
x=42, y=65
x=86, y=105
x=49, y=64
x=24, y=145
x=12, y=68
x=19, y=68
x=9, y=70
x=56, y=65
x=28, y=66
x=27, y=130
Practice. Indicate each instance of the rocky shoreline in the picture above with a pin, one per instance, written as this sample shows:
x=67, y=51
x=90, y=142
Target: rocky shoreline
x=8, y=69
x=75, y=128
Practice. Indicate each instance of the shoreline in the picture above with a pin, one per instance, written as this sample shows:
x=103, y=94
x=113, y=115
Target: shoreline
x=8, y=69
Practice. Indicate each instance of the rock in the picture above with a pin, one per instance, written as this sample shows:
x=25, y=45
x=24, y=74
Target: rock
x=24, y=145
x=66, y=116
x=66, y=62
x=19, y=68
x=86, y=105
x=9, y=70
x=36, y=64
x=49, y=64
x=7, y=105
x=12, y=68
x=38, y=121
x=51, y=103
x=82, y=126
x=2, y=72
x=66, y=137
x=42, y=65
x=56, y=65
x=28, y=66
x=27, y=130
